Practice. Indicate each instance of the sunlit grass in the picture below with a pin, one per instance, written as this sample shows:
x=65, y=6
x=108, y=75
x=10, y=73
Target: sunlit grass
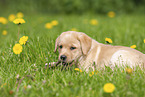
x=39, y=50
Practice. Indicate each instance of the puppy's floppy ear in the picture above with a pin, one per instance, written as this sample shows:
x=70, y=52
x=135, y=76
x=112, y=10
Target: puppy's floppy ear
x=56, y=44
x=85, y=42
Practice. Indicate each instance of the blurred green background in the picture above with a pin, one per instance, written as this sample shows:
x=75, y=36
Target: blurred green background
x=72, y=6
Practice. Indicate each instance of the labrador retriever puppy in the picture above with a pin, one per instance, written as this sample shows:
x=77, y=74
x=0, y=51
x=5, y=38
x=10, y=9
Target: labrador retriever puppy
x=77, y=48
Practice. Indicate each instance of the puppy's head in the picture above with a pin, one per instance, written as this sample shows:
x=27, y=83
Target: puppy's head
x=71, y=45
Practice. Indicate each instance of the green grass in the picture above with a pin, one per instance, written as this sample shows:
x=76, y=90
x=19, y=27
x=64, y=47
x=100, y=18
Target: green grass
x=124, y=30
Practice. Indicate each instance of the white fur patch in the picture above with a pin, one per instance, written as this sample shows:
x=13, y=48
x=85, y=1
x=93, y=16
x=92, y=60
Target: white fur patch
x=122, y=58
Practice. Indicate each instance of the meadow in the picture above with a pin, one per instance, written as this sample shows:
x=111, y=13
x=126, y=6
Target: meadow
x=25, y=75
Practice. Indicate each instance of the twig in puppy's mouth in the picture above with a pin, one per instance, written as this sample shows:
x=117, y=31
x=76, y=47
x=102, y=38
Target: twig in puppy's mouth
x=53, y=64
x=67, y=64
x=64, y=64
x=57, y=63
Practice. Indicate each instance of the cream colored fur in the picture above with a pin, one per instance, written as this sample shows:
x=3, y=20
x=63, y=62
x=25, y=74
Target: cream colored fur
x=91, y=54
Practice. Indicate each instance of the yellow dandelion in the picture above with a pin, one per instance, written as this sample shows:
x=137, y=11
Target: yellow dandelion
x=129, y=70
x=19, y=21
x=2, y=86
x=4, y=32
x=20, y=15
x=96, y=72
x=3, y=20
x=109, y=88
x=93, y=22
x=144, y=40
x=133, y=46
x=54, y=22
x=74, y=29
x=81, y=70
x=23, y=40
x=77, y=69
x=11, y=17
x=90, y=75
x=17, y=49
x=111, y=14
x=92, y=72
x=48, y=25
x=108, y=40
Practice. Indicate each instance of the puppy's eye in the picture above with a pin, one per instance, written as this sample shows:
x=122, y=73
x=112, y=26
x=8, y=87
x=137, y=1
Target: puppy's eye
x=60, y=46
x=72, y=48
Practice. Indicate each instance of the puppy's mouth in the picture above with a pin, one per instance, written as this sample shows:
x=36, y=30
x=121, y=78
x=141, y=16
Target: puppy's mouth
x=67, y=64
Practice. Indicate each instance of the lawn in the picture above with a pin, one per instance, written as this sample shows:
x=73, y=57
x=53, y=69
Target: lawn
x=25, y=75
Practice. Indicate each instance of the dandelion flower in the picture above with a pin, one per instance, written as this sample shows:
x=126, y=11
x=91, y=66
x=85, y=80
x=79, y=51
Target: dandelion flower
x=111, y=14
x=11, y=17
x=17, y=49
x=54, y=22
x=77, y=69
x=1, y=86
x=133, y=46
x=129, y=70
x=94, y=72
x=144, y=40
x=19, y=21
x=23, y=40
x=108, y=40
x=93, y=22
x=20, y=15
x=81, y=70
x=48, y=25
x=90, y=75
x=74, y=29
x=4, y=32
x=3, y=20
x=109, y=88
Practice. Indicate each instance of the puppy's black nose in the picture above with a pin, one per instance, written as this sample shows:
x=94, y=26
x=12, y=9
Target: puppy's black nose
x=63, y=57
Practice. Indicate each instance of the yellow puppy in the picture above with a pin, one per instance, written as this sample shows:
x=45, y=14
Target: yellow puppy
x=79, y=49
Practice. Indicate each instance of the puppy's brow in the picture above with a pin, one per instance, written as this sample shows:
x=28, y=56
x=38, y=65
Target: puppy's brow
x=74, y=45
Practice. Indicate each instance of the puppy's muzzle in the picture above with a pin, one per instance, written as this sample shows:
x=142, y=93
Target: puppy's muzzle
x=64, y=62
x=63, y=57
